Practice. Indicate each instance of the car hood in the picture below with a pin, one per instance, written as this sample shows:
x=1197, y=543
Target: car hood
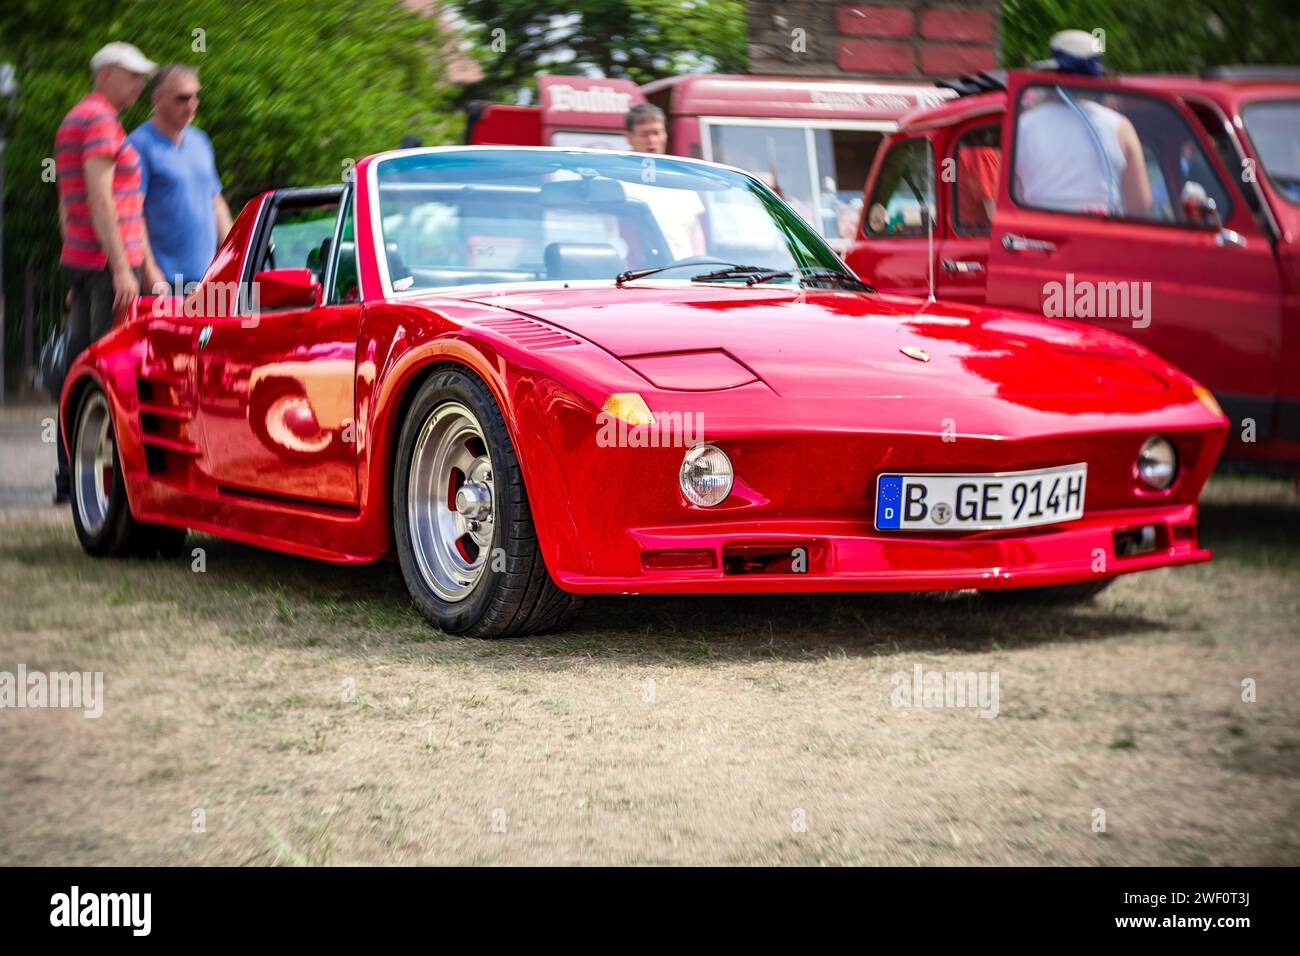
x=819, y=343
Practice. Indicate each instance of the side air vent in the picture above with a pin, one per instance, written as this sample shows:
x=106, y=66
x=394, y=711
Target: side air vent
x=164, y=425
x=529, y=333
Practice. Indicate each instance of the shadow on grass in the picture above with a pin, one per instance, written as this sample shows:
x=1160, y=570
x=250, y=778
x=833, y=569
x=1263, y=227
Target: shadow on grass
x=263, y=599
x=1252, y=532
x=813, y=625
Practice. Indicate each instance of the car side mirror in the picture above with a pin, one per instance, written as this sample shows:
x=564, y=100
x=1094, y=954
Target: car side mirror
x=286, y=289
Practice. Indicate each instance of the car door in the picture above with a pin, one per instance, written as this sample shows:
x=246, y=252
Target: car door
x=277, y=376
x=167, y=385
x=1199, y=288
x=968, y=177
x=893, y=250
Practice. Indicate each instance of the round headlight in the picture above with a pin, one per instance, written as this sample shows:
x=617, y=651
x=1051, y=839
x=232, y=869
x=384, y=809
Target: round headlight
x=1157, y=463
x=706, y=475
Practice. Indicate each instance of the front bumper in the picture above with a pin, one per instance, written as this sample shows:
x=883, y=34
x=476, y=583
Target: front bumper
x=751, y=557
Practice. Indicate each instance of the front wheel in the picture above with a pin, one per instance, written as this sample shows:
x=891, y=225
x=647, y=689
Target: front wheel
x=101, y=513
x=1057, y=594
x=461, y=521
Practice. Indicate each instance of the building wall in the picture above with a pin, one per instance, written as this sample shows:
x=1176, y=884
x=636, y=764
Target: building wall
x=890, y=39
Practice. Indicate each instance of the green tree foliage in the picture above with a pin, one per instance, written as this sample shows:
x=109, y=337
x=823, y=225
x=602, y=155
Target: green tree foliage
x=1159, y=36
x=640, y=40
x=291, y=92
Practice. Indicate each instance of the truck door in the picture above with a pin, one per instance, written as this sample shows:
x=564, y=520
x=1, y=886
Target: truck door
x=968, y=183
x=1079, y=233
x=1270, y=126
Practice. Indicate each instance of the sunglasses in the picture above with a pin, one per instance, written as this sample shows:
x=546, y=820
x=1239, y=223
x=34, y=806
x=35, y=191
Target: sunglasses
x=186, y=97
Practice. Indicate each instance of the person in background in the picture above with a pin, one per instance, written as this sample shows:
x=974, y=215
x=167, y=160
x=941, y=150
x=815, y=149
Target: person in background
x=645, y=129
x=977, y=186
x=100, y=200
x=185, y=213
x=680, y=220
x=1074, y=153
x=847, y=214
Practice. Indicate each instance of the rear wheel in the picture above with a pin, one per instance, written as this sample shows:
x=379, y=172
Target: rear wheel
x=461, y=521
x=101, y=513
x=1058, y=594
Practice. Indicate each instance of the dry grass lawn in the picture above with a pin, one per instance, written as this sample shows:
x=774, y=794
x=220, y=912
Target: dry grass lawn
x=312, y=717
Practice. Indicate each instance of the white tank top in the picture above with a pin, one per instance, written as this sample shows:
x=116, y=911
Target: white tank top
x=1059, y=164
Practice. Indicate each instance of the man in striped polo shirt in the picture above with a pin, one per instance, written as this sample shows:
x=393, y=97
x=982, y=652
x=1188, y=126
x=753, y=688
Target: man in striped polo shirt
x=100, y=205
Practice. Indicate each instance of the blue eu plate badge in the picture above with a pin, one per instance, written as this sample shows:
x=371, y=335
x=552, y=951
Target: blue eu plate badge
x=889, y=501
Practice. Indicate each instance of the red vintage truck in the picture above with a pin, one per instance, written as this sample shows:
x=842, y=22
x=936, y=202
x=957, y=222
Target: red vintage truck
x=811, y=140
x=1203, y=267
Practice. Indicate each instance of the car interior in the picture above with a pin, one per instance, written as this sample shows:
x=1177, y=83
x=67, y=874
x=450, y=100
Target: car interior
x=446, y=235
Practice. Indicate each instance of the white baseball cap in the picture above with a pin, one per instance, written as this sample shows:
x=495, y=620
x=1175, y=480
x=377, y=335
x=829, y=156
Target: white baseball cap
x=124, y=55
x=1076, y=43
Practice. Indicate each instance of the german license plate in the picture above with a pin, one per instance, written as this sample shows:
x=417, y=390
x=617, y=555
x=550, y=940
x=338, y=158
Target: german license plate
x=980, y=502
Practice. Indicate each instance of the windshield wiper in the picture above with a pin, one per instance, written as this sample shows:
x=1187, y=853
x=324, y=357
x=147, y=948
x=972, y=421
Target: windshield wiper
x=754, y=273
x=768, y=276
x=632, y=274
x=814, y=274
x=834, y=276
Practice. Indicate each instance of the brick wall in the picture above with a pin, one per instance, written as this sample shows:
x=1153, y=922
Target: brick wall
x=892, y=39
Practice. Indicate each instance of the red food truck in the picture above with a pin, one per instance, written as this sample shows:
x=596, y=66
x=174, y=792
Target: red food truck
x=1195, y=254
x=811, y=140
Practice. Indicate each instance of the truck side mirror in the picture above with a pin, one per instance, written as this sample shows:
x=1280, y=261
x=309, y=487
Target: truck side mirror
x=1198, y=207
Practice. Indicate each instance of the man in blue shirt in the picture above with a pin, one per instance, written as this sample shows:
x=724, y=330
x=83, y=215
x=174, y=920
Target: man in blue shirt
x=185, y=215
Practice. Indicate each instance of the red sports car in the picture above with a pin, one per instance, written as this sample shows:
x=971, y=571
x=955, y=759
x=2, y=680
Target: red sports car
x=533, y=374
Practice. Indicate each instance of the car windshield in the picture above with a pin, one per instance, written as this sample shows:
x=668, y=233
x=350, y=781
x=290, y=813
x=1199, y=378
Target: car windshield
x=468, y=217
x=1274, y=128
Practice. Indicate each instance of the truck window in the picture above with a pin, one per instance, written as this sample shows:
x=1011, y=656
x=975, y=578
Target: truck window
x=588, y=139
x=1072, y=154
x=1274, y=129
x=819, y=170
x=976, y=162
x=778, y=155
x=1218, y=128
x=1162, y=205
x=843, y=160
x=904, y=188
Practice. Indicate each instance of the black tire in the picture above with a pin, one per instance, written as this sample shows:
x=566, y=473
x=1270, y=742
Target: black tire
x=163, y=541
x=112, y=532
x=513, y=594
x=1061, y=595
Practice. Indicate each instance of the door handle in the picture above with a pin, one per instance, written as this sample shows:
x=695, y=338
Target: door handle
x=1014, y=243
x=961, y=266
x=1226, y=237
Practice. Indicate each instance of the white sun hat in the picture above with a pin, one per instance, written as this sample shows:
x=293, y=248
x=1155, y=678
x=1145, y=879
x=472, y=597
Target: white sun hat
x=1077, y=52
x=124, y=55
